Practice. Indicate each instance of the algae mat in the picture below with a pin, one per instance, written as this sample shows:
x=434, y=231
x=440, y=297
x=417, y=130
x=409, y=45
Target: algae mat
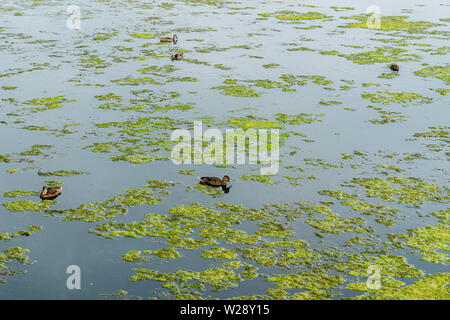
x=357, y=210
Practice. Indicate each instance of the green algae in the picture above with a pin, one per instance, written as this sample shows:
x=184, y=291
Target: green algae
x=143, y=35
x=207, y=190
x=276, y=230
x=329, y=103
x=26, y=205
x=388, y=75
x=380, y=54
x=442, y=92
x=237, y=91
x=12, y=255
x=271, y=65
x=334, y=224
x=118, y=205
x=20, y=193
x=432, y=287
x=60, y=173
x=294, y=16
x=386, y=116
x=387, y=97
x=47, y=103
x=428, y=240
x=187, y=172
x=438, y=72
x=410, y=191
x=316, y=284
x=392, y=23
x=218, y=253
x=136, y=256
x=12, y=170
x=259, y=178
x=28, y=232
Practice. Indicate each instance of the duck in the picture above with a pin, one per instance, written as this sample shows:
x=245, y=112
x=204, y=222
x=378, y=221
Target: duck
x=216, y=182
x=50, y=193
x=174, y=39
x=177, y=56
x=394, y=67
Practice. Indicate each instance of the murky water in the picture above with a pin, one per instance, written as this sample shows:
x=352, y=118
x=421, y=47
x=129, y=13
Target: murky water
x=364, y=150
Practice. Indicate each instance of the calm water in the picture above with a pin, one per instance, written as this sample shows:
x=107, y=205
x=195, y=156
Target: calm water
x=41, y=58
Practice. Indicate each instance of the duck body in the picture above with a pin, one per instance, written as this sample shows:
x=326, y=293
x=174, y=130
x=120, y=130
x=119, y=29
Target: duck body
x=215, y=182
x=394, y=67
x=50, y=193
x=174, y=39
x=177, y=56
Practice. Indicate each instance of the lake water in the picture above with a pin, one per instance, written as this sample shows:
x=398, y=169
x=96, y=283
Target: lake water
x=363, y=175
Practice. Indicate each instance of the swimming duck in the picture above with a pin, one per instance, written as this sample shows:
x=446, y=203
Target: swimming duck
x=177, y=56
x=174, y=39
x=394, y=67
x=50, y=193
x=215, y=182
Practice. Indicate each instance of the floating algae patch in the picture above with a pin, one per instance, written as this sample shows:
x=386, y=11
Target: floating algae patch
x=272, y=229
x=131, y=81
x=53, y=183
x=334, y=224
x=387, y=116
x=143, y=35
x=187, y=172
x=251, y=122
x=439, y=135
x=259, y=178
x=410, y=191
x=391, y=23
x=442, y=92
x=438, y=72
x=390, y=75
x=12, y=171
x=218, y=253
x=387, y=97
x=109, y=96
x=60, y=173
x=136, y=256
x=94, y=62
x=46, y=103
x=26, y=205
x=431, y=241
x=380, y=54
x=21, y=233
x=389, y=266
x=11, y=256
x=432, y=287
x=295, y=16
x=329, y=103
x=20, y=193
x=207, y=190
x=236, y=90
x=363, y=207
x=101, y=36
x=118, y=205
x=315, y=284
x=189, y=284
x=271, y=65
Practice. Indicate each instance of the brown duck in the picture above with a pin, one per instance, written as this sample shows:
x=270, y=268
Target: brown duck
x=394, y=67
x=177, y=56
x=50, y=193
x=215, y=182
x=174, y=39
